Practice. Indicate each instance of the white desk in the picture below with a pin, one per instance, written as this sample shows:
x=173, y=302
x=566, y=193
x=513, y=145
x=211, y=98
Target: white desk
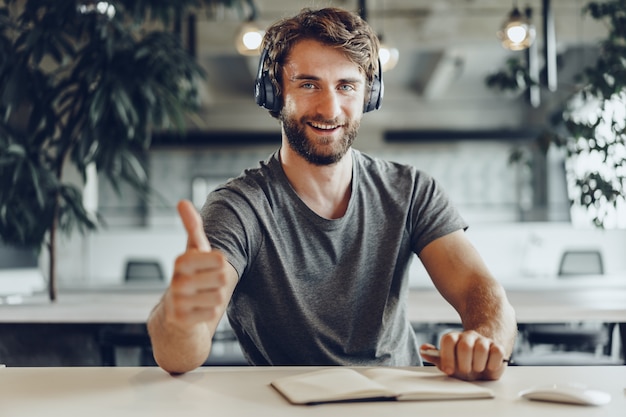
x=425, y=306
x=233, y=392
x=541, y=305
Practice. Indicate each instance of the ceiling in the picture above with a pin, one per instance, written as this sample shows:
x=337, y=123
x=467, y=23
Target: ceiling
x=447, y=48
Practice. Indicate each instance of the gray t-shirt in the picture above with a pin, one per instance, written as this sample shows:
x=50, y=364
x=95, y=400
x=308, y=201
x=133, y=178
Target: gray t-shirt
x=314, y=291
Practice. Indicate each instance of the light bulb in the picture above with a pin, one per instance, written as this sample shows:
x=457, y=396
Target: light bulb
x=249, y=39
x=252, y=40
x=516, y=33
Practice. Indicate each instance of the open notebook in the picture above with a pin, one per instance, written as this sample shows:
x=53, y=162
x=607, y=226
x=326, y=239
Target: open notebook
x=343, y=384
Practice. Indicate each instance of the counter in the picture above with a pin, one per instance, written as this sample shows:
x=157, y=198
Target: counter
x=132, y=305
x=89, y=317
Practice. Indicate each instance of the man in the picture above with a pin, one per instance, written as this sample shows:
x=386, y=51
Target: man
x=309, y=252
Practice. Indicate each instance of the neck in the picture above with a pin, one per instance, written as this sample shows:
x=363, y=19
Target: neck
x=324, y=189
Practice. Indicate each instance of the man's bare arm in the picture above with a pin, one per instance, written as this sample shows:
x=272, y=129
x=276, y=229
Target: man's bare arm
x=488, y=319
x=182, y=324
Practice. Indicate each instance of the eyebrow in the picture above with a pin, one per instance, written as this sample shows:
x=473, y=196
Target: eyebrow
x=316, y=78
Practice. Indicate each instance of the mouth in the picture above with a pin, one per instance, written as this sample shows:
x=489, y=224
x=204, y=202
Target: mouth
x=324, y=127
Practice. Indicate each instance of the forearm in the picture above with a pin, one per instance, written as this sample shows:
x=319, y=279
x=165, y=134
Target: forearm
x=488, y=312
x=177, y=350
x=488, y=318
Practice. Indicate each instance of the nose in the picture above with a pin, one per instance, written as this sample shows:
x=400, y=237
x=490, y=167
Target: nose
x=329, y=104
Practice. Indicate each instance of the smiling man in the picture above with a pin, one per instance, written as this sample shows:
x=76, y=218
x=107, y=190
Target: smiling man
x=309, y=252
x=323, y=104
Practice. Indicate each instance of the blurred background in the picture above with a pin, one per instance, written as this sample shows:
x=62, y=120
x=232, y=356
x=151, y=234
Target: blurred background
x=461, y=102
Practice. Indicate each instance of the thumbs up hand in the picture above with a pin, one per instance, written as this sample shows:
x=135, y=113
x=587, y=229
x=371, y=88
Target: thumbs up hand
x=196, y=238
x=183, y=323
x=203, y=280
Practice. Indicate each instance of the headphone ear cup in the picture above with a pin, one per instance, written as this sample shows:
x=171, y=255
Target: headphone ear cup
x=264, y=92
x=373, y=102
x=271, y=100
x=259, y=92
x=377, y=90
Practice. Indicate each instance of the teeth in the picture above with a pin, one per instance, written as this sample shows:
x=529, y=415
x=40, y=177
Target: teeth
x=324, y=127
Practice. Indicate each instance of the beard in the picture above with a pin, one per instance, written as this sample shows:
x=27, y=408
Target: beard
x=306, y=147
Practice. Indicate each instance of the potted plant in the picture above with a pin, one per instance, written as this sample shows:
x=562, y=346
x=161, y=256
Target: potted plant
x=82, y=84
x=589, y=125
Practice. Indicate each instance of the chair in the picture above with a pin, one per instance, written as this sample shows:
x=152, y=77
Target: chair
x=112, y=338
x=140, y=270
x=570, y=343
x=581, y=262
x=130, y=345
x=133, y=337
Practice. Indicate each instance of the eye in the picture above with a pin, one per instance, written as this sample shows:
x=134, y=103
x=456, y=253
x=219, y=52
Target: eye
x=307, y=86
x=346, y=87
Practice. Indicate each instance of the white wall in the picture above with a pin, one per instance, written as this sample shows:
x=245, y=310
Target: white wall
x=529, y=254
x=518, y=254
x=99, y=259
x=476, y=175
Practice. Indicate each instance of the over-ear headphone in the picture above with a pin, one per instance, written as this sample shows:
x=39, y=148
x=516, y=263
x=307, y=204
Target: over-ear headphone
x=264, y=93
x=266, y=97
x=375, y=99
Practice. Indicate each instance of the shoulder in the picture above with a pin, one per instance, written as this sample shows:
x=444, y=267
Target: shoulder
x=396, y=174
x=379, y=164
x=253, y=184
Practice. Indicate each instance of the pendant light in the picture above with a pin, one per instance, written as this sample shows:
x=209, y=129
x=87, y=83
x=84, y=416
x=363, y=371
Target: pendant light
x=517, y=32
x=249, y=36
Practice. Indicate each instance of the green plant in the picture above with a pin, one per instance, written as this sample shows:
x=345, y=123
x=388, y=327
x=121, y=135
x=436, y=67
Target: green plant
x=82, y=85
x=513, y=78
x=590, y=123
